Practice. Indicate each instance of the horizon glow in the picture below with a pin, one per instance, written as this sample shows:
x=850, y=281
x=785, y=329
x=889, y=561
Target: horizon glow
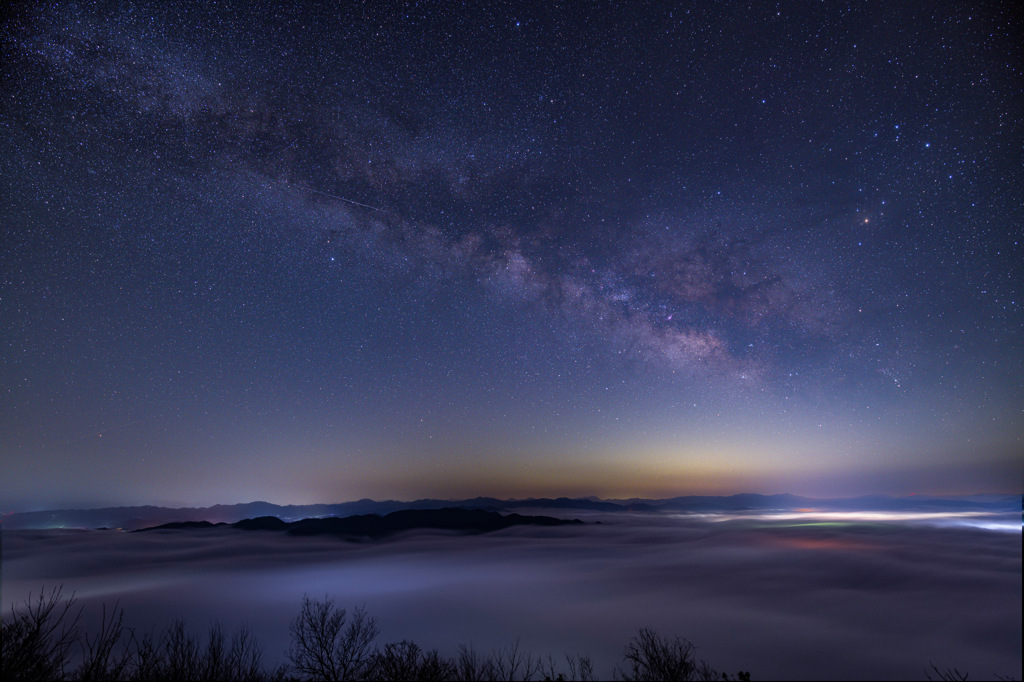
x=346, y=252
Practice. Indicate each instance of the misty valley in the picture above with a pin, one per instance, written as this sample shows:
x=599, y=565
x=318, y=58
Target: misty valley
x=758, y=584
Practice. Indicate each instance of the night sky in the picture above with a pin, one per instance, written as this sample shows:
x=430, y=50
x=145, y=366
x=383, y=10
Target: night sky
x=262, y=251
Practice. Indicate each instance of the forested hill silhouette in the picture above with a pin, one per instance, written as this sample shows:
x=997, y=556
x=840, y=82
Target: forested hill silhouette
x=372, y=526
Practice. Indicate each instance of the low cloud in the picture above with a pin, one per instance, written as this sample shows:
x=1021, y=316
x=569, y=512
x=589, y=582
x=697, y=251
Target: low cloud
x=864, y=600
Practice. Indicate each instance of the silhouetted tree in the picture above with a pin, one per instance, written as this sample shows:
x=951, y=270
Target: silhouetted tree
x=40, y=639
x=107, y=654
x=471, y=667
x=581, y=669
x=146, y=663
x=652, y=657
x=512, y=664
x=507, y=664
x=245, y=658
x=406, y=661
x=37, y=638
x=946, y=675
x=323, y=648
x=180, y=656
x=180, y=653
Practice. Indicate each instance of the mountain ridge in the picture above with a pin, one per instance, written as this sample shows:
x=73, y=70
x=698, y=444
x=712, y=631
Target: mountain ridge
x=136, y=517
x=374, y=526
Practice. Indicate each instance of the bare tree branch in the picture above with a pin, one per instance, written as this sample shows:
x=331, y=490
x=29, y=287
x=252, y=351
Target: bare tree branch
x=324, y=649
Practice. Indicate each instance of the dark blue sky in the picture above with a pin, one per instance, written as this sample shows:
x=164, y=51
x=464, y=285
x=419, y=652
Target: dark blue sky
x=299, y=254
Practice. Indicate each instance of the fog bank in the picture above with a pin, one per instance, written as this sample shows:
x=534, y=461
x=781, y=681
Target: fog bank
x=783, y=597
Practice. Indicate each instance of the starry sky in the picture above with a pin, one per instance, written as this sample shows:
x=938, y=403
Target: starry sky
x=398, y=250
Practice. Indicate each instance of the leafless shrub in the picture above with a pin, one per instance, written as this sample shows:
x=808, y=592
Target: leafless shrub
x=652, y=657
x=146, y=663
x=245, y=658
x=213, y=663
x=106, y=655
x=946, y=674
x=180, y=653
x=549, y=670
x=512, y=664
x=406, y=661
x=471, y=667
x=581, y=668
x=323, y=648
x=38, y=637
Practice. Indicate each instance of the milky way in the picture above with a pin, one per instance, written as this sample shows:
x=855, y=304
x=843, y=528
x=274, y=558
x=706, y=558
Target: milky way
x=311, y=254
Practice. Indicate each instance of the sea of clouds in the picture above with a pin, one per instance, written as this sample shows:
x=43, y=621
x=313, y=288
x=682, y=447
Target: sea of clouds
x=783, y=596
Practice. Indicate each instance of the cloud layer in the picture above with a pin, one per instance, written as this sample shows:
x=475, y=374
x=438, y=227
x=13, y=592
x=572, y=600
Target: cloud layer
x=783, y=599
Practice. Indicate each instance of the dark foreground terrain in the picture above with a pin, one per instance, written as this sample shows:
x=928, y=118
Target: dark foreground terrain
x=42, y=641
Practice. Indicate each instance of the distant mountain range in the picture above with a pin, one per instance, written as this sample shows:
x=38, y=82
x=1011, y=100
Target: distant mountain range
x=134, y=518
x=373, y=526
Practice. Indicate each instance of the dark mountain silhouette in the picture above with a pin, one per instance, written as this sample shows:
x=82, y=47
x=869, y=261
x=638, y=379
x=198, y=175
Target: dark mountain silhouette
x=133, y=518
x=262, y=523
x=183, y=525
x=739, y=503
x=372, y=526
x=461, y=520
